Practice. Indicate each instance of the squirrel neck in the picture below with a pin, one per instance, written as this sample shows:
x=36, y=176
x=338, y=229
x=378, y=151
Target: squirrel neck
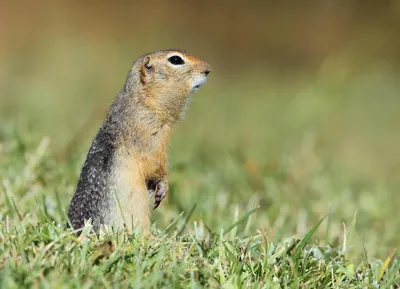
x=135, y=124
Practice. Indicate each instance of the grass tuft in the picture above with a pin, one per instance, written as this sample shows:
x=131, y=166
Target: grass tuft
x=37, y=250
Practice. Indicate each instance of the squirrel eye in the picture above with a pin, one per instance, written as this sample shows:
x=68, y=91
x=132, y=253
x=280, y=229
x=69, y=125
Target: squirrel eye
x=176, y=60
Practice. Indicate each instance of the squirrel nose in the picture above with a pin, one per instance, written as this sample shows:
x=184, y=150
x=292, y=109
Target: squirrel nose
x=207, y=69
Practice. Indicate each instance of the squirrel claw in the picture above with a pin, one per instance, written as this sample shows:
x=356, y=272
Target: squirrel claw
x=160, y=194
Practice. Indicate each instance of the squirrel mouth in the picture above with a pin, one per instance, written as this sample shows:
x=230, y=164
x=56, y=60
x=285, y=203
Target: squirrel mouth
x=198, y=82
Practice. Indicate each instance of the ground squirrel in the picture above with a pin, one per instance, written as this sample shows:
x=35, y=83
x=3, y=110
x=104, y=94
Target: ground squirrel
x=127, y=162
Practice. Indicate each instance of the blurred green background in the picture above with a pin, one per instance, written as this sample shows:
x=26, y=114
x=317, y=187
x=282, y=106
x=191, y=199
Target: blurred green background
x=300, y=114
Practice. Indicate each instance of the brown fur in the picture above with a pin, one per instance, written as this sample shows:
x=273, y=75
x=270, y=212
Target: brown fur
x=135, y=137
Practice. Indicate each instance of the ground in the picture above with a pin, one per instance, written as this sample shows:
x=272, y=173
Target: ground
x=276, y=181
x=224, y=225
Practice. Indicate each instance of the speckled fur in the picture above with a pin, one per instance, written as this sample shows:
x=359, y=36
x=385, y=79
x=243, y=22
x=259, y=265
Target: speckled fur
x=128, y=157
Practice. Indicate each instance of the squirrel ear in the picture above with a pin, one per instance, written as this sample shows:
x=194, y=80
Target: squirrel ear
x=147, y=66
x=146, y=63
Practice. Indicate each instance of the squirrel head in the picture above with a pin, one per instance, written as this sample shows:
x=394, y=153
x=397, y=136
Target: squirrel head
x=167, y=78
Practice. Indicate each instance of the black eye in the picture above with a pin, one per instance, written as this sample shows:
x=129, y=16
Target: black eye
x=176, y=60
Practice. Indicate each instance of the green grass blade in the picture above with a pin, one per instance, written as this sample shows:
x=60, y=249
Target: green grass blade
x=305, y=240
x=187, y=220
x=241, y=220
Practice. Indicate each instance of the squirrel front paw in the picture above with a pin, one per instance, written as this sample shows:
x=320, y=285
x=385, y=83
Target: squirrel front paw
x=161, y=192
x=159, y=189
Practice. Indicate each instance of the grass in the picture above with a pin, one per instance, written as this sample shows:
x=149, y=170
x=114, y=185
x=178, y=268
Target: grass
x=275, y=182
x=257, y=241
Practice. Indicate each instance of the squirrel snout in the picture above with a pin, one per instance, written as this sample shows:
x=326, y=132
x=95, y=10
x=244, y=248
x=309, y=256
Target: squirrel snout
x=207, y=69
